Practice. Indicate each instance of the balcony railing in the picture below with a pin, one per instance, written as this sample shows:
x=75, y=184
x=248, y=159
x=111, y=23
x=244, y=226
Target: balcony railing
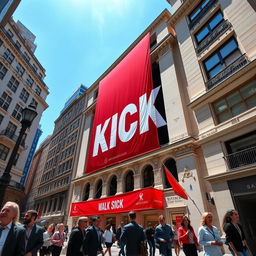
x=241, y=158
x=211, y=38
x=10, y=134
x=16, y=185
x=202, y=14
x=228, y=71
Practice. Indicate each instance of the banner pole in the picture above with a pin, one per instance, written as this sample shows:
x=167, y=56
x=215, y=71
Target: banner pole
x=194, y=204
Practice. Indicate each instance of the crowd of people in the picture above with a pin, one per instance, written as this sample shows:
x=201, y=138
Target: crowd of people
x=87, y=238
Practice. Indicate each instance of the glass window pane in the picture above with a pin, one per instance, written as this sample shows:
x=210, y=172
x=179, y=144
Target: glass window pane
x=216, y=20
x=228, y=48
x=215, y=71
x=212, y=61
x=202, y=34
x=233, y=98
x=205, y=3
x=248, y=90
x=237, y=109
x=220, y=106
x=193, y=15
x=251, y=102
x=224, y=116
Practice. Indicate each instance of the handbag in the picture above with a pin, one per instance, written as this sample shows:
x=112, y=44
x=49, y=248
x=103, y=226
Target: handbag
x=143, y=249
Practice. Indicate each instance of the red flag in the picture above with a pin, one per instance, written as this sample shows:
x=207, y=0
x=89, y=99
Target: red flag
x=175, y=185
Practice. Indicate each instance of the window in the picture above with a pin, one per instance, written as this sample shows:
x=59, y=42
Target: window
x=17, y=112
x=3, y=152
x=29, y=81
x=129, y=182
x=11, y=129
x=113, y=186
x=86, y=192
x=20, y=70
x=8, y=56
x=24, y=95
x=9, y=33
x=13, y=84
x=3, y=71
x=236, y=102
x=34, y=67
x=221, y=58
x=5, y=101
x=171, y=166
x=1, y=118
x=1, y=42
x=148, y=177
x=34, y=103
x=198, y=10
x=209, y=27
x=38, y=90
x=26, y=57
x=98, y=191
x=17, y=44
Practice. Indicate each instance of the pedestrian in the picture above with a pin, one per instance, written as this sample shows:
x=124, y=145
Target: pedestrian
x=176, y=243
x=76, y=238
x=235, y=238
x=150, y=235
x=34, y=233
x=109, y=237
x=209, y=236
x=164, y=236
x=132, y=236
x=58, y=239
x=118, y=235
x=47, y=245
x=187, y=237
x=12, y=236
x=93, y=238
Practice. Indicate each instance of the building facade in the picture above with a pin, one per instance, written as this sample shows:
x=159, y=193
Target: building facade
x=21, y=84
x=7, y=8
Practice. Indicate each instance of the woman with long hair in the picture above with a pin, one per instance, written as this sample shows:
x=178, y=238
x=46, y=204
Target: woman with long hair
x=47, y=245
x=235, y=238
x=187, y=237
x=209, y=236
x=58, y=239
x=109, y=238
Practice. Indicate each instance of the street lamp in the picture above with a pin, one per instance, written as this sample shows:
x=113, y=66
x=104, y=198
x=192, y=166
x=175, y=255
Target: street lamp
x=28, y=115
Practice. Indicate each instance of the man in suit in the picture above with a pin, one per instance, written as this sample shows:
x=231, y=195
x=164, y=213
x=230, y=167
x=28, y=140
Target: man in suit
x=12, y=237
x=118, y=235
x=132, y=236
x=34, y=233
x=93, y=238
x=76, y=239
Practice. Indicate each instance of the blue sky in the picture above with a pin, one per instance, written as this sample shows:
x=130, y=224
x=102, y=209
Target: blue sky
x=77, y=40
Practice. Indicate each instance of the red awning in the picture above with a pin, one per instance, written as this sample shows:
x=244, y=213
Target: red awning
x=144, y=199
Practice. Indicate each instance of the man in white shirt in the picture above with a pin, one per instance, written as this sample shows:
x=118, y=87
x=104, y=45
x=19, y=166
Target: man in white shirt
x=12, y=237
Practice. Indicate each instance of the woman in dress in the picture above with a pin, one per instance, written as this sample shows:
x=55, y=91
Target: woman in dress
x=187, y=237
x=235, y=238
x=47, y=245
x=209, y=236
x=109, y=237
x=58, y=239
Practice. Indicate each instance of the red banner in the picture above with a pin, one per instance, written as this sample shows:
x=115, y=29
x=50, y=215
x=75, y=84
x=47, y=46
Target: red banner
x=147, y=198
x=126, y=120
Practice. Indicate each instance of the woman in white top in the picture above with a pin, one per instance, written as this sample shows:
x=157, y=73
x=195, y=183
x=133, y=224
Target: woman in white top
x=109, y=238
x=209, y=236
x=47, y=236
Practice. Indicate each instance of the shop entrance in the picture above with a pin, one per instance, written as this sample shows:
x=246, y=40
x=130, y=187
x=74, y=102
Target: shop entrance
x=153, y=219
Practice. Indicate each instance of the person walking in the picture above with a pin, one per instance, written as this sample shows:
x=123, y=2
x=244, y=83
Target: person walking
x=12, y=236
x=76, y=238
x=47, y=236
x=93, y=238
x=34, y=233
x=176, y=243
x=132, y=236
x=108, y=238
x=118, y=235
x=187, y=237
x=235, y=238
x=150, y=235
x=209, y=236
x=164, y=236
x=58, y=239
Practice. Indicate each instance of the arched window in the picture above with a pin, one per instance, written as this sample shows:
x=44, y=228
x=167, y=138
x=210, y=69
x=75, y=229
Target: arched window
x=86, y=192
x=113, y=186
x=171, y=165
x=129, y=182
x=148, y=177
x=98, y=191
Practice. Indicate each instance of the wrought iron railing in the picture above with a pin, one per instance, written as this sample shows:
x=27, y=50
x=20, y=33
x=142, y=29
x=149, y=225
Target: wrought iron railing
x=231, y=69
x=201, y=14
x=216, y=33
x=241, y=158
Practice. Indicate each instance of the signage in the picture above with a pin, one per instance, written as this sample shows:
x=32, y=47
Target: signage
x=148, y=198
x=126, y=119
x=174, y=201
x=244, y=185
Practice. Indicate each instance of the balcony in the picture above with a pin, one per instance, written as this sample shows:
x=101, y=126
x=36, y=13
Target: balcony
x=244, y=157
x=203, y=12
x=211, y=38
x=10, y=134
x=16, y=185
x=231, y=69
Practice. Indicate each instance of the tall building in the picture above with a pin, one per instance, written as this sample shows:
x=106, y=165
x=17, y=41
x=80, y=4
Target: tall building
x=7, y=8
x=21, y=84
